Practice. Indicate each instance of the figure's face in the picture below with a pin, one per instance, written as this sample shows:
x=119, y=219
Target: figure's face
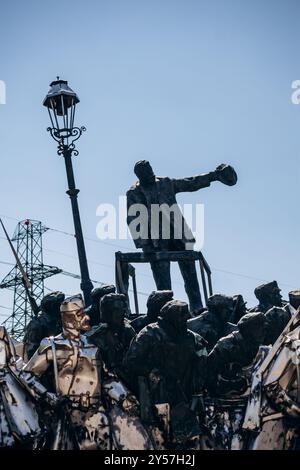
x=145, y=174
x=276, y=298
x=240, y=307
x=225, y=312
x=117, y=314
x=157, y=304
x=179, y=318
x=76, y=320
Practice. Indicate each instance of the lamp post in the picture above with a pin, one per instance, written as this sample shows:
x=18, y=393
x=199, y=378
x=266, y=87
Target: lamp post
x=61, y=103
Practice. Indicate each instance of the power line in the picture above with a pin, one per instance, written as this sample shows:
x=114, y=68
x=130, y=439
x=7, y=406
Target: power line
x=93, y=262
x=121, y=246
x=8, y=217
x=249, y=277
x=115, y=245
x=67, y=273
x=146, y=275
x=77, y=276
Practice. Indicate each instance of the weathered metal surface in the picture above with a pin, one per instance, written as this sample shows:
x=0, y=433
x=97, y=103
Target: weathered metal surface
x=19, y=420
x=274, y=400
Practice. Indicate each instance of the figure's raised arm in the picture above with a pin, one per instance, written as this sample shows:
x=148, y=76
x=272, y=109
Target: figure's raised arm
x=223, y=173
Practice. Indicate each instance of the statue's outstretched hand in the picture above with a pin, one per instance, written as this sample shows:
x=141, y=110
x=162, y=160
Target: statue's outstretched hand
x=226, y=174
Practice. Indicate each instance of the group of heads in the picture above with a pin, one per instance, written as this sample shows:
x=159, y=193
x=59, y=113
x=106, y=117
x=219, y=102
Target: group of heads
x=250, y=325
x=161, y=305
x=113, y=308
x=261, y=327
x=75, y=318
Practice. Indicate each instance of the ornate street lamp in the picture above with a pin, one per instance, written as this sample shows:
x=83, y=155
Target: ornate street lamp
x=61, y=103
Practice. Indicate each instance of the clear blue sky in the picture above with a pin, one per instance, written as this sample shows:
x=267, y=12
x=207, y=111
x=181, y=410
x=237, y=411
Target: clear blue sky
x=186, y=84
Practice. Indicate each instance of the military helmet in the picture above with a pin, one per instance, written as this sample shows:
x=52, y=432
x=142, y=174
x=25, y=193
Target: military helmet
x=106, y=302
x=70, y=304
x=219, y=300
x=99, y=292
x=172, y=306
x=159, y=297
x=266, y=289
x=51, y=299
x=251, y=322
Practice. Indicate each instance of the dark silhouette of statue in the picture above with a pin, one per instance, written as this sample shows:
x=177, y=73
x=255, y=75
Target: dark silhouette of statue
x=268, y=296
x=169, y=231
x=114, y=334
x=156, y=300
x=48, y=323
x=214, y=323
x=172, y=360
x=93, y=311
x=239, y=309
x=234, y=352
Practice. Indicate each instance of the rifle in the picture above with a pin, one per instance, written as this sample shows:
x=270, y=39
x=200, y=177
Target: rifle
x=26, y=282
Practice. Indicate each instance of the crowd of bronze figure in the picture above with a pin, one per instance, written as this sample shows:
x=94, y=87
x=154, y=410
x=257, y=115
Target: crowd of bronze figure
x=164, y=380
x=181, y=376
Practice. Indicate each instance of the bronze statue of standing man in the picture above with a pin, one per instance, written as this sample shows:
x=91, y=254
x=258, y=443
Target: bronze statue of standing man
x=160, y=225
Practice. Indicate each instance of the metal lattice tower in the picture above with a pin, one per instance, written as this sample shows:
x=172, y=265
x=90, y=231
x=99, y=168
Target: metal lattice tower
x=28, y=239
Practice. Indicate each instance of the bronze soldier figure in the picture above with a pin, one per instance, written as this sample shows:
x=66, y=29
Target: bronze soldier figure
x=114, y=335
x=93, y=311
x=268, y=296
x=230, y=365
x=102, y=413
x=234, y=352
x=214, y=323
x=48, y=323
x=170, y=360
x=276, y=320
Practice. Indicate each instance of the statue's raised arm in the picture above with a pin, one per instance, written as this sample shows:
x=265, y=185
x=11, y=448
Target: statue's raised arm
x=223, y=173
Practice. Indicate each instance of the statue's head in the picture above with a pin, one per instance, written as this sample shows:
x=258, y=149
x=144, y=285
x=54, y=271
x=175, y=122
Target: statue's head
x=113, y=309
x=221, y=305
x=252, y=327
x=156, y=300
x=73, y=316
x=51, y=303
x=144, y=172
x=269, y=294
x=100, y=292
x=276, y=320
x=294, y=298
x=175, y=315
